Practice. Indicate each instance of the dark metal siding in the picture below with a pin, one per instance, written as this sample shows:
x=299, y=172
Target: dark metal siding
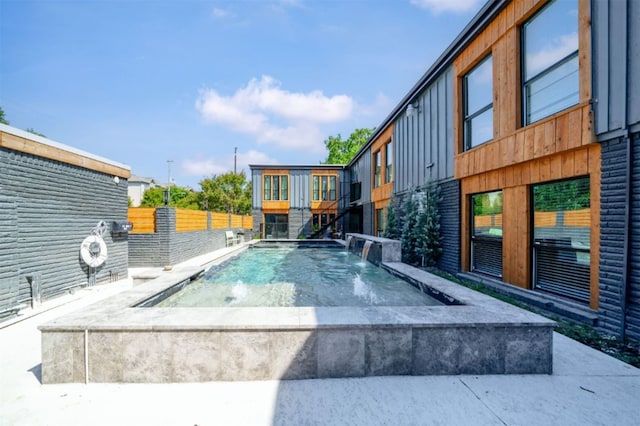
x=616, y=64
x=51, y=207
x=299, y=188
x=423, y=142
x=256, y=191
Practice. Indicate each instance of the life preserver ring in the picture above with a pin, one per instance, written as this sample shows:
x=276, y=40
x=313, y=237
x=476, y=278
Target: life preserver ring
x=93, y=251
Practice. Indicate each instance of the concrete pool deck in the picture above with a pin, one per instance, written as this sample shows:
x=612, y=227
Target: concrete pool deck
x=587, y=387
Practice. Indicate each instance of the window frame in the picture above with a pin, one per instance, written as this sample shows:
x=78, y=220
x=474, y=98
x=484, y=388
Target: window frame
x=275, y=188
x=467, y=118
x=388, y=153
x=324, y=188
x=377, y=166
x=526, y=83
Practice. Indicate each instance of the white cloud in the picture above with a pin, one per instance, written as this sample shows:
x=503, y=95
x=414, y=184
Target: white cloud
x=206, y=167
x=273, y=115
x=220, y=13
x=438, y=6
x=557, y=49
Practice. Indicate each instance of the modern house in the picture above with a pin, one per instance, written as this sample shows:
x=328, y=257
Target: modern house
x=290, y=201
x=58, y=206
x=529, y=124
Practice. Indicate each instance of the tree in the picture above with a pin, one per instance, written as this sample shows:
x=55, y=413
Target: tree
x=428, y=242
x=342, y=151
x=393, y=230
x=31, y=130
x=3, y=120
x=154, y=197
x=229, y=192
x=409, y=228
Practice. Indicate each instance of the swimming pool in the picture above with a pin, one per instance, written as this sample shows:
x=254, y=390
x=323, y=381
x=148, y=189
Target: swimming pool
x=119, y=341
x=291, y=275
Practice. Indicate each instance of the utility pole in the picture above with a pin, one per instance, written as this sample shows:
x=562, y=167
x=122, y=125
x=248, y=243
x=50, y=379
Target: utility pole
x=235, y=152
x=169, y=181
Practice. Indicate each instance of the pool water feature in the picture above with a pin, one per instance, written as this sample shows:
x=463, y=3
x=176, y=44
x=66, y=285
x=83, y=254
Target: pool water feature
x=289, y=276
x=117, y=341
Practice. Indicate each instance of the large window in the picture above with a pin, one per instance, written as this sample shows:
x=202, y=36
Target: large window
x=324, y=188
x=550, y=60
x=486, y=233
x=388, y=154
x=276, y=187
x=562, y=238
x=478, y=104
x=376, y=172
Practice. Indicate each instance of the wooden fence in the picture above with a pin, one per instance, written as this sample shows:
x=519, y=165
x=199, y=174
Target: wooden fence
x=144, y=220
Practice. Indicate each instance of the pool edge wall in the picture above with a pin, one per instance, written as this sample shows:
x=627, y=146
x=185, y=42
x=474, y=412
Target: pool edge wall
x=178, y=355
x=112, y=341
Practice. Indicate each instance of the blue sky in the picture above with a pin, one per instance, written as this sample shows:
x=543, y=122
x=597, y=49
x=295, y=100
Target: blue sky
x=143, y=82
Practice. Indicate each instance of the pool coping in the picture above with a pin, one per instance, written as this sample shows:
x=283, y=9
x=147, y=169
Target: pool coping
x=474, y=330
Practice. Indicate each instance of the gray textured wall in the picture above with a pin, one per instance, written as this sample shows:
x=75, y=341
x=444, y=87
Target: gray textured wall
x=168, y=247
x=612, y=221
x=47, y=209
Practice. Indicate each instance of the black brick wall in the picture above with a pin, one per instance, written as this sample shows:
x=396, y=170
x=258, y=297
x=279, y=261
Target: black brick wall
x=612, y=228
x=449, y=209
x=47, y=208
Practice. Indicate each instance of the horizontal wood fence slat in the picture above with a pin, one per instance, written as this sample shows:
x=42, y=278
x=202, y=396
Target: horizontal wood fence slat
x=191, y=220
x=143, y=219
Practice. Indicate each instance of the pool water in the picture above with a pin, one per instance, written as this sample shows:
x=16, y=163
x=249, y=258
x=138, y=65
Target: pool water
x=290, y=276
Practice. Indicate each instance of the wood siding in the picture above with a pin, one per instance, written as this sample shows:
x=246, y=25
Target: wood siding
x=42, y=150
x=381, y=195
x=558, y=147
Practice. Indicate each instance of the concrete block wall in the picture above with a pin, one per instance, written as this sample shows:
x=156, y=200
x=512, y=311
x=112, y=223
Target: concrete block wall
x=47, y=208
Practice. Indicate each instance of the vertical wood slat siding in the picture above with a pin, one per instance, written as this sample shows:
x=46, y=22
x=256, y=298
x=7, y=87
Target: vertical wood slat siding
x=585, y=161
x=191, y=220
x=143, y=219
x=380, y=196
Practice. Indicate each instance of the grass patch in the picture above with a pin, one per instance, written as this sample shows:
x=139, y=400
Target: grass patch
x=627, y=351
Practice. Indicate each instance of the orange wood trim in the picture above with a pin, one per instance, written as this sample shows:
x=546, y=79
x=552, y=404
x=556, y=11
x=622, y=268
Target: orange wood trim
x=275, y=205
x=38, y=149
x=382, y=193
x=275, y=172
x=595, y=182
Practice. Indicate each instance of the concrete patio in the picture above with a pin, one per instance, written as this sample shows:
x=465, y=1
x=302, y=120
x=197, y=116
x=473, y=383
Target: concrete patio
x=587, y=387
